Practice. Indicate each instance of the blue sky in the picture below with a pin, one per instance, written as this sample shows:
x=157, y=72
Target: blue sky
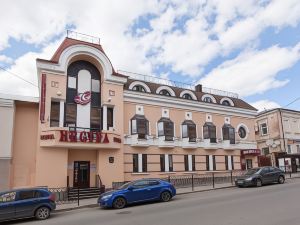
x=252, y=49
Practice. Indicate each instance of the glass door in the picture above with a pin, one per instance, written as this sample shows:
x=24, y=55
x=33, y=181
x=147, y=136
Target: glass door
x=81, y=174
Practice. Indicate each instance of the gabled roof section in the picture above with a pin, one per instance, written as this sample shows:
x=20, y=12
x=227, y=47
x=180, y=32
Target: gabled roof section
x=71, y=42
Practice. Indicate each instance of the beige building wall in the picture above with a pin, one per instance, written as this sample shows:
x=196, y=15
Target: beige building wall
x=7, y=111
x=25, y=145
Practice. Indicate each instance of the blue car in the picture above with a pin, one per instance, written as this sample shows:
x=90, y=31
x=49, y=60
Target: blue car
x=143, y=190
x=24, y=203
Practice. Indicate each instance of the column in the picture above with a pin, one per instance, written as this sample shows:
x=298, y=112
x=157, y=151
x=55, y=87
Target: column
x=61, y=113
x=104, y=117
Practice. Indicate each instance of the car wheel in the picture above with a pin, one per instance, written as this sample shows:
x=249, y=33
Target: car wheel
x=165, y=196
x=42, y=213
x=281, y=180
x=258, y=183
x=119, y=203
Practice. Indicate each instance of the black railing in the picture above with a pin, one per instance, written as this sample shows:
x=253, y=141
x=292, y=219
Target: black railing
x=197, y=180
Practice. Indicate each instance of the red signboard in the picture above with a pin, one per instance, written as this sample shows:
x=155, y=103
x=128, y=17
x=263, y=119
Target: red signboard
x=251, y=152
x=83, y=136
x=83, y=98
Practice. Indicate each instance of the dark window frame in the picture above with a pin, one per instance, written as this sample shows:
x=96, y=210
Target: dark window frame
x=168, y=129
x=54, y=122
x=139, y=88
x=210, y=132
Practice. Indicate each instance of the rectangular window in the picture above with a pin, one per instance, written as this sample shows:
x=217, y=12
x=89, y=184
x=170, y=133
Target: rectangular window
x=71, y=93
x=95, y=99
x=229, y=164
x=192, y=133
x=289, y=149
x=266, y=151
x=169, y=131
x=166, y=163
x=160, y=128
x=95, y=118
x=209, y=132
x=135, y=163
x=263, y=129
x=140, y=127
x=189, y=163
x=170, y=157
x=71, y=110
x=210, y=162
x=229, y=134
x=110, y=117
x=186, y=162
x=185, y=131
x=144, y=163
x=54, y=114
x=139, y=163
x=162, y=163
x=298, y=148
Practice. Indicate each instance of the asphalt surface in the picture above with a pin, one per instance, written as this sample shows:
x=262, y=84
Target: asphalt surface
x=268, y=205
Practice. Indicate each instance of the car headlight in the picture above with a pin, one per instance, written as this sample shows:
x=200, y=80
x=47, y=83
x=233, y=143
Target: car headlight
x=248, y=179
x=106, y=196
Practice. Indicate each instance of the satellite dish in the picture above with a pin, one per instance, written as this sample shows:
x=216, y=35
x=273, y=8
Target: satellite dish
x=269, y=142
x=277, y=142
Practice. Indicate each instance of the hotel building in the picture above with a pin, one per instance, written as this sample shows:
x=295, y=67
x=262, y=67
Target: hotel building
x=91, y=122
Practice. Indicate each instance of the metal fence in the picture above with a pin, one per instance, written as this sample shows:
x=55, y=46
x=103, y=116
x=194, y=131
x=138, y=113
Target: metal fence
x=197, y=180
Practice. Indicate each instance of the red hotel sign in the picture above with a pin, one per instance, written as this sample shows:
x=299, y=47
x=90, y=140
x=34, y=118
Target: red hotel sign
x=83, y=136
x=251, y=152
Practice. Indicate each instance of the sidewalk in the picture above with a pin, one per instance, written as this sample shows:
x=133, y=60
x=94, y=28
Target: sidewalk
x=89, y=203
x=92, y=202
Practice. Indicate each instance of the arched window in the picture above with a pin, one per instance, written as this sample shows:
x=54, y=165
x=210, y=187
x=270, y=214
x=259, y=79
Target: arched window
x=209, y=132
x=226, y=102
x=165, y=127
x=189, y=130
x=140, y=126
x=187, y=96
x=208, y=100
x=164, y=92
x=228, y=133
x=83, y=96
x=139, y=88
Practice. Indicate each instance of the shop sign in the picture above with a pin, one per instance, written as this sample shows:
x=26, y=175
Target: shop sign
x=45, y=137
x=83, y=136
x=83, y=98
x=251, y=152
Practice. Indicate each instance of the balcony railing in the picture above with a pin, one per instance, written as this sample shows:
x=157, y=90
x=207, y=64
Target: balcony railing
x=83, y=37
x=162, y=81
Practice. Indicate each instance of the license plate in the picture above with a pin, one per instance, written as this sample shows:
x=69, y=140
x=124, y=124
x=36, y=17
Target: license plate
x=240, y=182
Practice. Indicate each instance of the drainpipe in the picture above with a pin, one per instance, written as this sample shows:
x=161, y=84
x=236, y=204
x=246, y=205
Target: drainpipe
x=282, y=129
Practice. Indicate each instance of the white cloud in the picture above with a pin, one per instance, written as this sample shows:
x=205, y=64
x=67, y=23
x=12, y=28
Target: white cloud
x=265, y=105
x=183, y=35
x=253, y=71
x=5, y=59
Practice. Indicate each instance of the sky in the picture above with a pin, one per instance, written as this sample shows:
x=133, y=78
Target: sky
x=249, y=47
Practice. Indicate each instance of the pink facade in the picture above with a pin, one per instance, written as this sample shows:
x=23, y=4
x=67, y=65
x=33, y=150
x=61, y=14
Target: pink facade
x=92, y=122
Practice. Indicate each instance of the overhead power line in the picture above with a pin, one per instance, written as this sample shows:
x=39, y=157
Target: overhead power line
x=295, y=100
x=29, y=82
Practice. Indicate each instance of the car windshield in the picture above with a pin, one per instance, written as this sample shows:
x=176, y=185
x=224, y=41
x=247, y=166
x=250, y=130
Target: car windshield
x=125, y=186
x=252, y=171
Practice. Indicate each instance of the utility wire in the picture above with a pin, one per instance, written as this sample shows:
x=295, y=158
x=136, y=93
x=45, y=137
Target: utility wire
x=29, y=82
x=295, y=100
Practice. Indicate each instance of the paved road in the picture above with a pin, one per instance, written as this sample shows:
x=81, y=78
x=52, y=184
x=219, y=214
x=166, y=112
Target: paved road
x=269, y=205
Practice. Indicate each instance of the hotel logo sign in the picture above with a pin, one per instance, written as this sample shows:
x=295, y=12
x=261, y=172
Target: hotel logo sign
x=83, y=136
x=83, y=98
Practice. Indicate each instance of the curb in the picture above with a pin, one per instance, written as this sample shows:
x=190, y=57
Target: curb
x=96, y=205
x=184, y=193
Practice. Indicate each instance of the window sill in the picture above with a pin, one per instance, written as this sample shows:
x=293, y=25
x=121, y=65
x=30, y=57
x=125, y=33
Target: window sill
x=142, y=173
x=190, y=172
x=164, y=173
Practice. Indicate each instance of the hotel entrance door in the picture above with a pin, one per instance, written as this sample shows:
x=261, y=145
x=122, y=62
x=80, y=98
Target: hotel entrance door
x=81, y=174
